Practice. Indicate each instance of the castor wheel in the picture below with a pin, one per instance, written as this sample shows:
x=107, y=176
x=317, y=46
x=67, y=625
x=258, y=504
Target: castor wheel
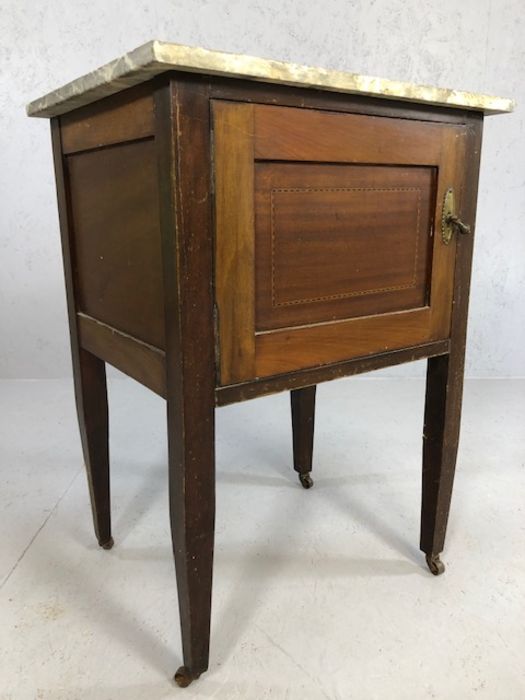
x=107, y=545
x=435, y=564
x=306, y=480
x=184, y=677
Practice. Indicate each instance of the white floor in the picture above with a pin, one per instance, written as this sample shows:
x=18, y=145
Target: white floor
x=317, y=594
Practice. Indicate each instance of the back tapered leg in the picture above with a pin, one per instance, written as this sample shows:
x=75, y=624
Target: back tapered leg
x=303, y=420
x=92, y=408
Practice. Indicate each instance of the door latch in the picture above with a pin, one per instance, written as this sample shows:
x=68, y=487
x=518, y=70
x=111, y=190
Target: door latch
x=450, y=222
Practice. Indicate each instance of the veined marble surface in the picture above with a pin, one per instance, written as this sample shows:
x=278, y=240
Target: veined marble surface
x=156, y=57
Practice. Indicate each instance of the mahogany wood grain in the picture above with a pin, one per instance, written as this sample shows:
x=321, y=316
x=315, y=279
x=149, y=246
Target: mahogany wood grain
x=144, y=363
x=453, y=173
x=306, y=144
x=340, y=241
x=287, y=133
x=290, y=349
x=306, y=377
x=117, y=248
x=126, y=116
x=234, y=252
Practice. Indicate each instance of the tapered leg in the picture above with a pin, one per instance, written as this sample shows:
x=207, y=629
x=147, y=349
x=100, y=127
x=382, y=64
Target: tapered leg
x=192, y=513
x=92, y=408
x=445, y=377
x=183, y=141
x=440, y=444
x=303, y=420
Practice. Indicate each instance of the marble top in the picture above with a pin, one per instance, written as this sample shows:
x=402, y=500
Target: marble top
x=156, y=57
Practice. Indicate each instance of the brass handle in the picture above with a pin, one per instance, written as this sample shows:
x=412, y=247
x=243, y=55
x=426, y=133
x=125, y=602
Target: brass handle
x=454, y=220
x=450, y=221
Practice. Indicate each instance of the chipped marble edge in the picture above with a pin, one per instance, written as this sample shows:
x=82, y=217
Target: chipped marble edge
x=156, y=57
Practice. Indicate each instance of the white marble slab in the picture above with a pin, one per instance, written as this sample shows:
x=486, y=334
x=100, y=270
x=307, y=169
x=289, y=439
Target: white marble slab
x=156, y=57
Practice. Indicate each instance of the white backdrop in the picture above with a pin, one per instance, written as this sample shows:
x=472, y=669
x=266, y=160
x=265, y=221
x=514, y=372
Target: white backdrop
x=476, y=45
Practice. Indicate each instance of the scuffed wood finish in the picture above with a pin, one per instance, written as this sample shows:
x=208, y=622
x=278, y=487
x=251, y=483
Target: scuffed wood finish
x=126, y=116
x=216, y=249
x=183, y=129
x=89, y=373
x=145, y=363
x=303, y=420
x=234, y=222
x=445, y=375
x=291, y=349
x=247, y=91
x=306, y=377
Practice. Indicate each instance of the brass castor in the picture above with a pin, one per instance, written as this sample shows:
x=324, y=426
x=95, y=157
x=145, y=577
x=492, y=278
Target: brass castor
x=183, y=677
x=435, y=564
x=306, y=480
x=107, y=545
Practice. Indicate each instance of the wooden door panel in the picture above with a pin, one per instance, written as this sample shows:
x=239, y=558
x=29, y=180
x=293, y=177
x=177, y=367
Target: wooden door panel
x=234, y=240
x=340, y=241
x=309, y=346
x=290, y=133
x=326, y=243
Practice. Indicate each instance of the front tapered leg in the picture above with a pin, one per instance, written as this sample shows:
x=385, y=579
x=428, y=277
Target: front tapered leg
x=440, y=445
x=303, y=420
x=92, y=408
x=182, y=112
x=192, y=515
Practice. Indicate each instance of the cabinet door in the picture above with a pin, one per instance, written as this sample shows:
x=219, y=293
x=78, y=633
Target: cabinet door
x=328, y=235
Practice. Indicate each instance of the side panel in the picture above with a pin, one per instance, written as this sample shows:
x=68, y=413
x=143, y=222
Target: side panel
x=107, y=160
x=126, y=116
x=115, y=219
